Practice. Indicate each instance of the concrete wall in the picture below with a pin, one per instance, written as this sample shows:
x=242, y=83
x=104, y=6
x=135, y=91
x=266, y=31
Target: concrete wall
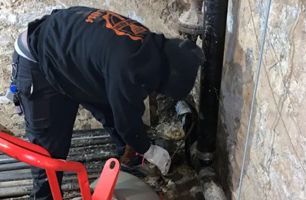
x=275, y=166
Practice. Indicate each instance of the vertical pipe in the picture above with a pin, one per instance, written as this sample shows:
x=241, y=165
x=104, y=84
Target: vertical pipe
x=215, y=12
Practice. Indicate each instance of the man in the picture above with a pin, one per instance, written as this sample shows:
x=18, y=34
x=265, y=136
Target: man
x=105, y=62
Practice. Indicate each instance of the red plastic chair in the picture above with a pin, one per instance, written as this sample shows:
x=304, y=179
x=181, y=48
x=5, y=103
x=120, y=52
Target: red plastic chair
x=39, y=157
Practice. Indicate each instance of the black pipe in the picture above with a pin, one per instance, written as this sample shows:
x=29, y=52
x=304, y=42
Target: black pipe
x=215, y=12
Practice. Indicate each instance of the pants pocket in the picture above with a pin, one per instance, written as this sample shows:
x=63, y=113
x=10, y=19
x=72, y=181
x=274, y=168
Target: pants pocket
x=35, y=106
x=23, y=76
x=24, y=87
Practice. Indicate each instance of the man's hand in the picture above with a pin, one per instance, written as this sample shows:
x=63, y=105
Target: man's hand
x=159, y=157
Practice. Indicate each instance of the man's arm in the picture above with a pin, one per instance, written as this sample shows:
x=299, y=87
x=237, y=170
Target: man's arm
x=126, y=100
x=127, y=105
x=134, y=72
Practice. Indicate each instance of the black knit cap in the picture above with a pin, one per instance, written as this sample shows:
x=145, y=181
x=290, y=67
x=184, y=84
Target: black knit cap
x=184, y=58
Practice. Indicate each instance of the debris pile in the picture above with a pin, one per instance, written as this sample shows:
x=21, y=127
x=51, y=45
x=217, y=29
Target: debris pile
x=182, y=181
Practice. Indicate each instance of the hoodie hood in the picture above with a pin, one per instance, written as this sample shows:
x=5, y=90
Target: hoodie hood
x=183, y=60
x=147, y=66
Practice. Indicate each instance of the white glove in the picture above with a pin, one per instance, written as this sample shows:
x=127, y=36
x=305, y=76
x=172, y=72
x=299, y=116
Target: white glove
x=159, y=157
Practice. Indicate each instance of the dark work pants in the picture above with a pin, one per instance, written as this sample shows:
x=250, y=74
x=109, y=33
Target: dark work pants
x=50, y=117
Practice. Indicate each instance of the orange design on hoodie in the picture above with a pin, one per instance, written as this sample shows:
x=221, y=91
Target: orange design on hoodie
x=122, y=26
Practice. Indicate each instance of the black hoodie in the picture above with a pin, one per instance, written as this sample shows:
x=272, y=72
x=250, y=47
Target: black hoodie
x=97, y=56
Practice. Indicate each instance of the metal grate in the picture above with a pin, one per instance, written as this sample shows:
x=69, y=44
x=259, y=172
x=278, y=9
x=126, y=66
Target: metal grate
x=91, y=147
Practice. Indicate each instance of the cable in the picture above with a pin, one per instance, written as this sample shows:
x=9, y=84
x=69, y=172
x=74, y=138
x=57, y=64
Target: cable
x=262, y=44
x=184, y=139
